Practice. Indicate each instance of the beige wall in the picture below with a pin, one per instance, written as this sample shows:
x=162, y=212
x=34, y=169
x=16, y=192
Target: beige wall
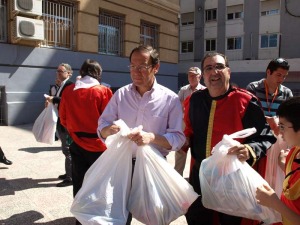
x=163, y=13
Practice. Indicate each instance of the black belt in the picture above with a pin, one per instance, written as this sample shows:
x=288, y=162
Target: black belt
x=86, y=135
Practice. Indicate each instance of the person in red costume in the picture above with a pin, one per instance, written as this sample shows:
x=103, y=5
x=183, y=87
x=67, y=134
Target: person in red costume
x=217, y=110
x=289, y=128
x=81, y=105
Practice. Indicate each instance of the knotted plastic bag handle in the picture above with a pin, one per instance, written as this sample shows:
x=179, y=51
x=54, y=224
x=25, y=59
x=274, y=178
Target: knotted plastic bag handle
x=243, y=133
x=124, y=129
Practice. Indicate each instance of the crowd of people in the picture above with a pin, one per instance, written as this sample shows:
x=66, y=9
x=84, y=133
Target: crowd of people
x=196, y=119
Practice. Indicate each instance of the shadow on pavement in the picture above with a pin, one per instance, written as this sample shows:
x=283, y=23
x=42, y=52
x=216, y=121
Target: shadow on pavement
x=40, y=149
x=9, y=187
x=30, y=217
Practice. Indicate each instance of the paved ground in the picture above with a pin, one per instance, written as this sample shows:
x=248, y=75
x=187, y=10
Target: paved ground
x=28, y=194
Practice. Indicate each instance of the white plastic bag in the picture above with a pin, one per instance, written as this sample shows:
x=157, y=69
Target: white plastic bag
x=44, y=126
x=103, y=196
x=274, y=174
x=229, y=186
x=159, y=194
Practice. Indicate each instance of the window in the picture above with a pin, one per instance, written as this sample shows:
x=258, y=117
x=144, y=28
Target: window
x=187, y=19
x=232, y=16
x=58, y=19
x=234, y=43
x=269, y=12
x=3, y=29
x=149, y=34
x=210, y=45
x=268, y=41
x=235, y=12
x=111, y=33
x=210, y=14
x=187, y=46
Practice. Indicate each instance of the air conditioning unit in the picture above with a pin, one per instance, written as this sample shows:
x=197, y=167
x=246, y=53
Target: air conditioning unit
x=27, y=7
x=28, y=29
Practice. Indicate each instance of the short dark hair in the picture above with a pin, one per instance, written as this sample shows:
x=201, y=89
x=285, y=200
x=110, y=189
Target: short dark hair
x=212, y=54
x=91, y=68
x=147, y=48
x=276, y=63
x=290, y=110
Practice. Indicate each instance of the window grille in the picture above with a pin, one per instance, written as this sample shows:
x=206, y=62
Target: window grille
x=149, y=34
x=3, y=22
x=59, y=26
x=111, y=34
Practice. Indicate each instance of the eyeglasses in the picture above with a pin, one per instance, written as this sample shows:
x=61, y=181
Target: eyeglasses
x=140, y=68
x=282, y=127
x=217, y=67
x=61, y=71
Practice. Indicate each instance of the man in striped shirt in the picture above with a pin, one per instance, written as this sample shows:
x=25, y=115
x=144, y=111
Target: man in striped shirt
x=271, y=94
x=270, y=90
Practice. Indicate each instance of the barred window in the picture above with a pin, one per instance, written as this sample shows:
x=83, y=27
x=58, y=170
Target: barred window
x=149, y=34
x=59, y=27
x=111, y=33
x=3, y=22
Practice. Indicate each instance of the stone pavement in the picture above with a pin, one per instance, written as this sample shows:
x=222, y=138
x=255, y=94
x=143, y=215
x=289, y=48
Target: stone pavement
x=28, y=192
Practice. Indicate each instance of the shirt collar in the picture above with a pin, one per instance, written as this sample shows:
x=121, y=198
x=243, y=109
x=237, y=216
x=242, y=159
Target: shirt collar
x=154, y=87
x=86, y=82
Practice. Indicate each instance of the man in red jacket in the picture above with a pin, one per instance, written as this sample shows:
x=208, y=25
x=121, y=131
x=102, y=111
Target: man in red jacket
x=217, y=110
x=81, y=106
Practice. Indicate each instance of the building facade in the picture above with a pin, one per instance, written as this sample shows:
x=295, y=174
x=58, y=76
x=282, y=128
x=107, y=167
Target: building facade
x=250, y=33
x=37, y=35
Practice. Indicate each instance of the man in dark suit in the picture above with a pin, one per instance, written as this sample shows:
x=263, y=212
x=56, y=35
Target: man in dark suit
x=63, y=73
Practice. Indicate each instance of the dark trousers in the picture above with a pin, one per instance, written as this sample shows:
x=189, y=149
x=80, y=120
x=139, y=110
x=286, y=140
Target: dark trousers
x=81, y=162
x=63, y=134
x=199, y=215
x=129, y=219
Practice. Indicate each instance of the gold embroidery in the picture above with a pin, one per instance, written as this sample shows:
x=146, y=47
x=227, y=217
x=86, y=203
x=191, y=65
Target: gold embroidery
x=210, y=127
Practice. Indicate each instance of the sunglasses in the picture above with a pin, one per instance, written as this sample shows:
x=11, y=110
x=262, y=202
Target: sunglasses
x=281, y=62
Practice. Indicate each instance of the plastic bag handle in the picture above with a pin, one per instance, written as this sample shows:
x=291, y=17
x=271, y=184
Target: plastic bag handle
x=125, y=130
x=243, y=133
